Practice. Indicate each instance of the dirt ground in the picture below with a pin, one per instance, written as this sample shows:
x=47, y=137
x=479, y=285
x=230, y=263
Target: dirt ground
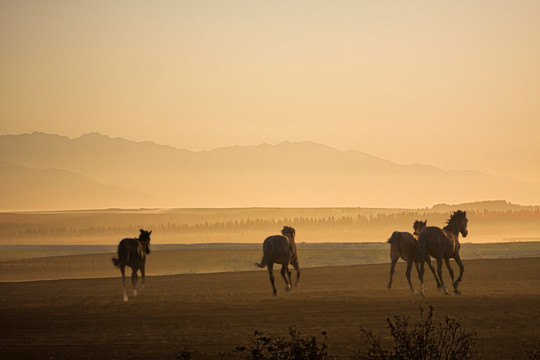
x=212, y=313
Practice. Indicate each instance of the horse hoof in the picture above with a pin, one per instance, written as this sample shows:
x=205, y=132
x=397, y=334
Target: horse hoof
x=297, y=285
x=134, y=293
x=389, y=286
x=275, y=292
x=288, y=288
x=126, y=298
x=457, y=291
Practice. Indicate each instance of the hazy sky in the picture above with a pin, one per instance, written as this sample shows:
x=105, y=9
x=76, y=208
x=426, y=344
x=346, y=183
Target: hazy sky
x=454, y=84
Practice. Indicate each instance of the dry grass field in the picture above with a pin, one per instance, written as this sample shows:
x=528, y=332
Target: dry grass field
x=212, y=313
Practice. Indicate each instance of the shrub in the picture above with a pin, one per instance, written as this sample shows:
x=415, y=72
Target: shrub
x=424, y=340
x=185, y=354
x=292, y=347
x=533, y=354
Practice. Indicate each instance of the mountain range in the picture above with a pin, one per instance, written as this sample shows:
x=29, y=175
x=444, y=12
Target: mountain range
x=47, y=172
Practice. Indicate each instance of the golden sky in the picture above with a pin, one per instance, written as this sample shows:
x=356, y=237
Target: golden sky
x=453, y=84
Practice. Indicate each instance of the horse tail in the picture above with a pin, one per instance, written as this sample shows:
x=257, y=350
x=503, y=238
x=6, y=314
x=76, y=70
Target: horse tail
x=116, y=262
x=264, y=262
x=123, y=254
x=394, y=238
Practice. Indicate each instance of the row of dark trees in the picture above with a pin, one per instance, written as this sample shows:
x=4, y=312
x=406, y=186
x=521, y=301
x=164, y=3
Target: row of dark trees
x=520, y=220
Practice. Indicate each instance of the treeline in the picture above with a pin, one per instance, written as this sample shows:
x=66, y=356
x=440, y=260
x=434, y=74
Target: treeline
x=479, y=220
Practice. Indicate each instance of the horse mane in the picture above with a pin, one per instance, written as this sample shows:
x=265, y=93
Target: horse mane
x=419, y=224
x=288, y=230
x=454, y=220
x=290, y=234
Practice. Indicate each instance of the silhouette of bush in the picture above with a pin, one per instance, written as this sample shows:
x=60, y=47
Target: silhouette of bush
x=423, y=340
x=292, y=347
x=533, y=354
x=185, y=354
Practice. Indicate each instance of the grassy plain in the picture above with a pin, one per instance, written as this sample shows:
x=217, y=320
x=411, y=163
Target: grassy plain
x=211, y=313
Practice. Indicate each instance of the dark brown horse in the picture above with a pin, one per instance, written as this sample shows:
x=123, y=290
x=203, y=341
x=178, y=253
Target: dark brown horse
x=443, y=244
x=132, y=252
x=281, y=249
x=403, y=245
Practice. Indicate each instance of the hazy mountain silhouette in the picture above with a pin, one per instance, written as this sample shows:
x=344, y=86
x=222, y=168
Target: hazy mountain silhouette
x=24, y=188
x=286, y=174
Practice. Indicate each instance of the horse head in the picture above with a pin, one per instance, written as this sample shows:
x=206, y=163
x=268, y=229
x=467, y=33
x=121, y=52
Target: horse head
x=459, y=222
x=144, y=239
x=418, y=226
x=288, y=232
x=463, y=229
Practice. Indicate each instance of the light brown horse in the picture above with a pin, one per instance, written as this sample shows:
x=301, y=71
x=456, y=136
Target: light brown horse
x=281, y=249
x=403, y=245
x=443, y=244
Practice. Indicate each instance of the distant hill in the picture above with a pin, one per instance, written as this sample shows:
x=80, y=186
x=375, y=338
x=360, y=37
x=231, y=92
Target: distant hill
x=281, y=175
x=25, y=188
x=493, y=205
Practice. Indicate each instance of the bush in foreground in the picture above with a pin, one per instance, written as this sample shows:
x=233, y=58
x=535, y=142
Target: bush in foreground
x=423, y=340
x=533, y=354
x=295, y=346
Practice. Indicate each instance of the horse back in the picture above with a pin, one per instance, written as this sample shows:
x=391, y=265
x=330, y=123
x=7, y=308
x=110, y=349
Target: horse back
x=436, y=242
x=402, y=244
x=131, y=252
x=277, y=249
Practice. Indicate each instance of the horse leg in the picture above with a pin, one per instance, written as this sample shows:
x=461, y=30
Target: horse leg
x=297, y=268
x=408, y=274
x=428, y=259
x=143, y=277
x=461, y=269
x=271, y=272
x=450, y=270
x=283, y=271
x=392, y=267
x=421, y=277
x=123, y=271
x=134, y=278
x=439, y=272
x=289, y=275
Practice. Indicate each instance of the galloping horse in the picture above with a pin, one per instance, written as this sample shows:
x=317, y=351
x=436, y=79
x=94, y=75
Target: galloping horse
x=132, y=252
x=281, y=249
x=443, y=244
x=403, y=245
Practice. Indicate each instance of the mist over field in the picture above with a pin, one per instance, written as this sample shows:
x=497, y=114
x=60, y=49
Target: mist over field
x=496, y=221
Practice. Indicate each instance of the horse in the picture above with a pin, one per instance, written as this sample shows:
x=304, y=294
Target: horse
x=132, y=252
x=403, y=245
x=281, y=249
x=443, y=244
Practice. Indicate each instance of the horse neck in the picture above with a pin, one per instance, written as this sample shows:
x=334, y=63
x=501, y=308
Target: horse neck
x=452, y=229
x=142, y=245
x=291, y=241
